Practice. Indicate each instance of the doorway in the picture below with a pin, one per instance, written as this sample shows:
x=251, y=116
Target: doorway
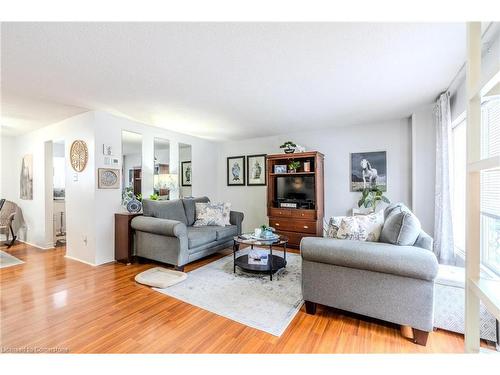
x=59, y=193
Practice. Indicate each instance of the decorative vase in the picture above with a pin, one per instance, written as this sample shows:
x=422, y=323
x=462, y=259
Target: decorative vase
x=292, y=171
x=134, y=206
x=289, y=150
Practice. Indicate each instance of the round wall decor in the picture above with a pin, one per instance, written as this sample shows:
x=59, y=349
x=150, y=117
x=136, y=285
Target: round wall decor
x=79, y=155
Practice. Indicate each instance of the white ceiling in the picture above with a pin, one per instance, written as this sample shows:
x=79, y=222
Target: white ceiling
x=225, y=80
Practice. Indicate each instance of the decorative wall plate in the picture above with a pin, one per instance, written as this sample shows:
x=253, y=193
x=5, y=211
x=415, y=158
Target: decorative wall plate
x=78, y=155
x=108, y=178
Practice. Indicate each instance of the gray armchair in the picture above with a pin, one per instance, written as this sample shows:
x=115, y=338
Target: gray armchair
x=166, y=234
x=385, y=281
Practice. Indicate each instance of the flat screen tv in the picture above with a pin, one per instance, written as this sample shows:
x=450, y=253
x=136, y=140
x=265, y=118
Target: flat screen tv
x=296, y=188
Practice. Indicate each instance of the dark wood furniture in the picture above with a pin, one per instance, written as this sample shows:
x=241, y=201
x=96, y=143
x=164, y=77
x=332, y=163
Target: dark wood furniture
x=274, y=263
x=123, y=237
x=296, y=223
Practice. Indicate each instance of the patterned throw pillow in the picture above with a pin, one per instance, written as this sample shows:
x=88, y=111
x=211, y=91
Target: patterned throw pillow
x=359, y=227
x=333, y=226
x=212, y=214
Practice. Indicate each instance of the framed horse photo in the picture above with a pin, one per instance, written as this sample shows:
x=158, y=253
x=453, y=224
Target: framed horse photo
x=369, y=171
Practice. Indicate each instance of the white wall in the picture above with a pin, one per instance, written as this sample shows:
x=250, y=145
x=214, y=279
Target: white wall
x=107, y=202
x=79, y=194
x=90, y=211
x=336, y=144
x=424, y=166
x=8, y=171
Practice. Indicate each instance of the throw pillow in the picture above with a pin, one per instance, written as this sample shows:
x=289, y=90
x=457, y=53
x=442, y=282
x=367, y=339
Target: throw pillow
x=226, y=213
x=209, y=214
x=359, y=227
x=333, y=226
x=401, y=227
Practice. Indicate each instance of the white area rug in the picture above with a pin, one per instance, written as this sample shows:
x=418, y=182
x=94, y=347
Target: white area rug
x=248, y=298
x=7, y=260
x=160, y=277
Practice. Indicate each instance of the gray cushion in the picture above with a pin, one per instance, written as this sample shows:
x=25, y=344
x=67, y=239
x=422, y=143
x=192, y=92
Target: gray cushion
x=226, y=232
x=172, y=210
x=401, y=226
x=408, y=261
x=198, y=236
x=189, y=207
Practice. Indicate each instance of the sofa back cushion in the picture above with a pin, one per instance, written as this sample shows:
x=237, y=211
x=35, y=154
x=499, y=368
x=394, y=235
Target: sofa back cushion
x=189, y=207
x=172, y=210
x=401, y=226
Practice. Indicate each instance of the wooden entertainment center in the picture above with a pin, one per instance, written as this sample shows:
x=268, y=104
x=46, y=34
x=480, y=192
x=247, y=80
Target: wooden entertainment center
x=294, y=209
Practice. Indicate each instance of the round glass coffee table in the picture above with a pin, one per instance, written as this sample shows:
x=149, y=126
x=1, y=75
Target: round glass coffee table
x=274, y=262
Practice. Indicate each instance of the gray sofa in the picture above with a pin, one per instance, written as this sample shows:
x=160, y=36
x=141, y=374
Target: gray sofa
x=380, y=280
x=165, y=232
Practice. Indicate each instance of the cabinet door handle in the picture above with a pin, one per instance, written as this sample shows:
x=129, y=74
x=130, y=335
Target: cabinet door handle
x=306, y=227
x=277, y=224
x=302, y=214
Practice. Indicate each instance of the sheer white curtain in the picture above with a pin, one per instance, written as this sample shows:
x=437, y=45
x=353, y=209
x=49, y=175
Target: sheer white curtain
x=443, y=225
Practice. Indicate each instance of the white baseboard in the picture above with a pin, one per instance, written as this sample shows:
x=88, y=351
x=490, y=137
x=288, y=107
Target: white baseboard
x=81, y=261
x=34, y=245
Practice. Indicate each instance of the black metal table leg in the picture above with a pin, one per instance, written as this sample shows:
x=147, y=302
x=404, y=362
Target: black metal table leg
x=271, y=261
x=284, y=253
x=235, y=249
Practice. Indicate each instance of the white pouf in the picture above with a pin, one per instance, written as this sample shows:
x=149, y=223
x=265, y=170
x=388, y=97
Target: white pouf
x=449, y=304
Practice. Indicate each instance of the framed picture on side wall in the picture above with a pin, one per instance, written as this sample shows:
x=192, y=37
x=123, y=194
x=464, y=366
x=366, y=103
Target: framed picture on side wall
x=236, y=171
x=187, y=173
x=256, y=170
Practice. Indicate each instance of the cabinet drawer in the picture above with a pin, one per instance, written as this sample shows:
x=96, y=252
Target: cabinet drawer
x=279, y=212
x=304, y=214
x=294, y=226
x=293, y=238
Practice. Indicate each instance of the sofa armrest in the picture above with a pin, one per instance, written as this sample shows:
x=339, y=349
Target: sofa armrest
x=406, y=261
x=165, y=227
x=424, y=241
x=236, y=218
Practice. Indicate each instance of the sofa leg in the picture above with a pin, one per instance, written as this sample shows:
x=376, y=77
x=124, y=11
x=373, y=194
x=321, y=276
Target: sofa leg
x=420, y=337
x=311, y=307
x=179, y=268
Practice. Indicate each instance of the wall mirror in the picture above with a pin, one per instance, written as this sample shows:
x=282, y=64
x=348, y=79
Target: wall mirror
x=132, y=162
x=164, y=183
x=185, y=170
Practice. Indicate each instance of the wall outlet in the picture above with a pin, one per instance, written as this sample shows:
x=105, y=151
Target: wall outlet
x=85, y=240
x=75, y=177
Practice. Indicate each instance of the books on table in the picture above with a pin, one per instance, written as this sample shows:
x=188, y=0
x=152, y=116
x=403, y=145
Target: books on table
x=258, y=256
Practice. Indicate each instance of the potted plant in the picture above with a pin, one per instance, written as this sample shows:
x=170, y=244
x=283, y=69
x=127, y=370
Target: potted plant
x=371, y=197
x=293, y=166
x=289, y=147
x=154, y=197
x=267, y=231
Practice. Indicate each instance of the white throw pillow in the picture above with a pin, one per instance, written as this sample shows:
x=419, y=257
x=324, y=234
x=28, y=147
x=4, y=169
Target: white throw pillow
x=359, y=227
x=211, y=214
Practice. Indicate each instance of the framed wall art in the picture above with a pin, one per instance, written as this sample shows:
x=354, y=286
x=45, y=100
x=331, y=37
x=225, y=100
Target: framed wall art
x=236, y=171
x=369, y=171
x=256, y=170
x=187, y=173
x=108, y=178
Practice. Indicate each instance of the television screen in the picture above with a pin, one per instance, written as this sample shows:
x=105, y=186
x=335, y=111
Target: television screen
x=300, y=188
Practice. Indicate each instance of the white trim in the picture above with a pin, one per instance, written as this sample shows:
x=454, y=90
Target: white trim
x=460, y=118
x=485, y=164
x=37, y=246
x=413, y=164
x=81, y=261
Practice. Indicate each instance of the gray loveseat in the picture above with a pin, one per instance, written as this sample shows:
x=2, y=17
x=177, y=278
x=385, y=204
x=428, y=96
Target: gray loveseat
x=165, y=232
x=380, y=280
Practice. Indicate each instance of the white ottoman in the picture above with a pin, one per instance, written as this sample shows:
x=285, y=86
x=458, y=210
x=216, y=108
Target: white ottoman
x=449, y=304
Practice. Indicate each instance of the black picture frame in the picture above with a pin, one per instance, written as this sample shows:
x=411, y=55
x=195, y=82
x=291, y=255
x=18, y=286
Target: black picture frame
x=241, y=173
x=183, y=181
x=263, y=171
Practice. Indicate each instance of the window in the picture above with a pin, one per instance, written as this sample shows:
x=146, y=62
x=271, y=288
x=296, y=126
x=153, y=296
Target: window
x=458, y=165
x=490, y=186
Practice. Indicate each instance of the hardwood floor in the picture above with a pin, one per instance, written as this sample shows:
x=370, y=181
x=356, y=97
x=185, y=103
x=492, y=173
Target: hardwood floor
x=55, y=302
